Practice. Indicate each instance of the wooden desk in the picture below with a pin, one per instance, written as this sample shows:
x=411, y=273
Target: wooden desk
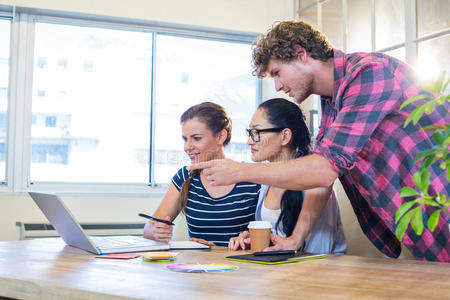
x=48, y=269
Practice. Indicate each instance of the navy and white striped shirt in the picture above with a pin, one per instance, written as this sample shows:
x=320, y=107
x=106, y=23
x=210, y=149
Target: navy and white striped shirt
x=217, y=219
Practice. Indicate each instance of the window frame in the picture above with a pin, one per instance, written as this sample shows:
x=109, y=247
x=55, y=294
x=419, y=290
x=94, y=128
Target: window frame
x=17, y=177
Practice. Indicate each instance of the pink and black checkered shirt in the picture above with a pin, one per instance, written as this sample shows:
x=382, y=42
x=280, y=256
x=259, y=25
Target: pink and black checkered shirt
x=362, y=136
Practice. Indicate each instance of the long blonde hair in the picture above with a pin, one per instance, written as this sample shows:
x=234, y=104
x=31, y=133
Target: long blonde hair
x=216, y=119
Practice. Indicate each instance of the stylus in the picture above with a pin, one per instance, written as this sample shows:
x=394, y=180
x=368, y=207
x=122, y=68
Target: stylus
x=275, y=252
x=156, y=219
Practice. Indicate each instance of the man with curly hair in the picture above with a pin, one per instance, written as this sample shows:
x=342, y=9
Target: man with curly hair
x=361, y=140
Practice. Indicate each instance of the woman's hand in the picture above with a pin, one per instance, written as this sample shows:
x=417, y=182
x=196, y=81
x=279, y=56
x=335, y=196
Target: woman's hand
x=242, y=241
x=202, y=241
x=158, y=231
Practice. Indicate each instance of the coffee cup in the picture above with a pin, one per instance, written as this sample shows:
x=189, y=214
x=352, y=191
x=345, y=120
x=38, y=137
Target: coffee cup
x=259, y=235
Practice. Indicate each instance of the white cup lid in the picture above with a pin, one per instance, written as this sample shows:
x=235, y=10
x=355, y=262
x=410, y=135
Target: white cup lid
x=259, y=225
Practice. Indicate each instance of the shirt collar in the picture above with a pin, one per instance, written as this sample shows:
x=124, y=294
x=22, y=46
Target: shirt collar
x=339, y=72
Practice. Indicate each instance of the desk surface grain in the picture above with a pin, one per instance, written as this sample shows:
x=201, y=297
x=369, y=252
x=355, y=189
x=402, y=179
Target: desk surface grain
x=48, y=269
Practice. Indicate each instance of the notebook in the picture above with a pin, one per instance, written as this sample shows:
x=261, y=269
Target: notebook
x=275, y=259
x=73, y=235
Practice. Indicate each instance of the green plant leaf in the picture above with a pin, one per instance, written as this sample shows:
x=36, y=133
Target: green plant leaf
x=447, y=130
x=434, y=85
x=415, y=98
x=438, y=137
x=439, y=82
x=424, y=180
x=430, y=202
x=419, y=112
x=441, y=198
x=427, y=162
x=425, y=153
x=448, y=174
x=442, y=99
x=431, y=127
x=417, y=221
x=408, y=120
x=444, y=86
x=407, y=191
x=415, y=115
x=433, y=220
x=446, y=141
x=403, y=225
x=403, y=209
x=416, y=179
x=429, y=107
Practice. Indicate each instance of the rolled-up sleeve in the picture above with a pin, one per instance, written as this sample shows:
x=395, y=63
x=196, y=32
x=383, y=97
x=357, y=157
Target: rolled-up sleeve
x=366, y=96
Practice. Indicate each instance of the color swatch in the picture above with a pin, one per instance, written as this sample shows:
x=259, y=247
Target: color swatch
x=201, y=268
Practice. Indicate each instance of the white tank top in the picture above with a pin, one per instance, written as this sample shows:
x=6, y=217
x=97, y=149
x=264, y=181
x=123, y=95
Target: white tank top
x=270, y=215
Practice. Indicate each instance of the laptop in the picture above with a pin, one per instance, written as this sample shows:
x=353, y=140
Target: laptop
x=71, y=232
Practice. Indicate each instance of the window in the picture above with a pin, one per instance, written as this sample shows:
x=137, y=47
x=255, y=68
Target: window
x=206, y=70
x=358, y=17
x=3, y=92
x=105, y=120
x=332, y=24
x=390, y=23
x=88, y=65
x=433, y=16
x=5, y=29
x=109, y=109
x=42, y=62
x=96, y=105
x=434, y=57
x=50, y=121
x=62, y=64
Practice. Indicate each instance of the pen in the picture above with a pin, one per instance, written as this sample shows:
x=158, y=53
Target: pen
x=156, y=219
x=262, y=253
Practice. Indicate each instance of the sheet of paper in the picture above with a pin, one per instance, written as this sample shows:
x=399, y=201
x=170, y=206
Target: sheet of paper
x=118, y=256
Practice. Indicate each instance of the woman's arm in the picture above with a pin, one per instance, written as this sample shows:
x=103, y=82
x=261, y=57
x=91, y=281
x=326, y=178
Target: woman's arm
x=168, y=209
x=313, y=206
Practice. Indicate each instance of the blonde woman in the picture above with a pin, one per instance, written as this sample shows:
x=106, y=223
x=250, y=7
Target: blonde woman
x=214, y=214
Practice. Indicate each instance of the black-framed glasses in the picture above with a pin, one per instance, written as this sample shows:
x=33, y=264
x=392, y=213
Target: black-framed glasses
x=255, y=133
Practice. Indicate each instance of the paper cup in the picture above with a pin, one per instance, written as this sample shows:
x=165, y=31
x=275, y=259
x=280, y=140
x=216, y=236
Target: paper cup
x=259, y=235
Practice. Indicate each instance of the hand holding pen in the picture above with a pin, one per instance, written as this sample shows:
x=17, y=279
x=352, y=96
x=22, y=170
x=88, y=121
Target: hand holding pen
x=160, y=230
x=166, y=221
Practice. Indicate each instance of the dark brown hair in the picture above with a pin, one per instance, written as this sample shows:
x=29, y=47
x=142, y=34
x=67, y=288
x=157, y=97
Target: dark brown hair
x=286, y=114
x=280, y=40
x=216, y=119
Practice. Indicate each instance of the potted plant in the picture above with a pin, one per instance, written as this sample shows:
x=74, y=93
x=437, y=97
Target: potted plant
x=412, y=211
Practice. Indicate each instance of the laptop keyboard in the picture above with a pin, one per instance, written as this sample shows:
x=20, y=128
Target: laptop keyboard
x=119, y=241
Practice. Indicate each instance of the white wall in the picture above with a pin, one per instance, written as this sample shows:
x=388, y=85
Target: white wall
x=242, y=15
x=22, y=208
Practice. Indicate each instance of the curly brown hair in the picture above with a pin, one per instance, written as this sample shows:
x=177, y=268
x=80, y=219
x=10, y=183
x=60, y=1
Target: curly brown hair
x=280, y=40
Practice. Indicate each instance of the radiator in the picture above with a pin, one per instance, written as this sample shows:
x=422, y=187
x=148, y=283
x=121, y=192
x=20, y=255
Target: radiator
x=40, y=230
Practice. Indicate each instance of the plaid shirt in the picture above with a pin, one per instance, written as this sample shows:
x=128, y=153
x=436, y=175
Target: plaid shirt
x=362, y=136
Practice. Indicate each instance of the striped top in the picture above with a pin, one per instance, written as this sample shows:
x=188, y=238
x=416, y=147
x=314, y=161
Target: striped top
x=217, y=219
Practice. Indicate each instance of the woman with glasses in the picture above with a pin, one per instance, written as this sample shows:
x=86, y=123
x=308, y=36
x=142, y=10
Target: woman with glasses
x=278, y=133
x=214, y=214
